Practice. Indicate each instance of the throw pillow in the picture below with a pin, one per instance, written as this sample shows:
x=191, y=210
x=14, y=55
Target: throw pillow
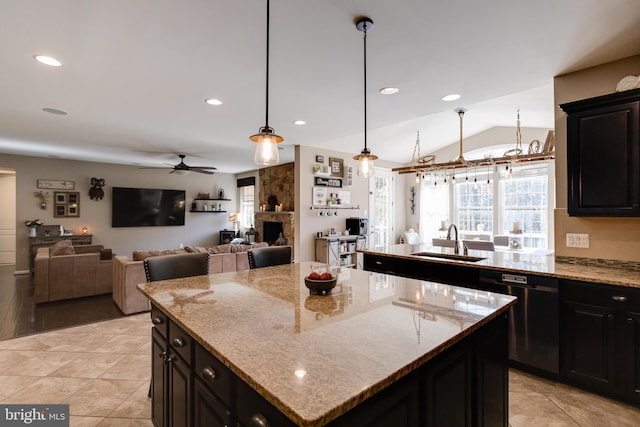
x=63, y=247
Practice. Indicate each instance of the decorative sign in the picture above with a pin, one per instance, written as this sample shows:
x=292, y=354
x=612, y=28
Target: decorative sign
x=320, y=181
x=336, y=166
x=319, y=196
x=56, y=184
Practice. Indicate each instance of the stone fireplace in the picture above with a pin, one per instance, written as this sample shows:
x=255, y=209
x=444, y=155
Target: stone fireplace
x=276, y=223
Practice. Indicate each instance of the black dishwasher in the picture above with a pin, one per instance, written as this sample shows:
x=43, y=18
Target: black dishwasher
x=533, y=320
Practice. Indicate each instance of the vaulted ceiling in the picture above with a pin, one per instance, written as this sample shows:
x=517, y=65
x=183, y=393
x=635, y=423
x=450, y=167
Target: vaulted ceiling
x=135, y=74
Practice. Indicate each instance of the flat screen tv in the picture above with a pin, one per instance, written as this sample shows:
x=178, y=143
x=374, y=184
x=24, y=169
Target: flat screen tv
x=147, y=207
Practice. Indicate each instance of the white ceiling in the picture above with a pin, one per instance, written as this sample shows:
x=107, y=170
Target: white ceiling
x=136, y=73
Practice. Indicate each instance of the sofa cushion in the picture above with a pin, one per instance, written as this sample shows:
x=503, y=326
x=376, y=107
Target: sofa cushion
x=63, y=247
x=142, y=255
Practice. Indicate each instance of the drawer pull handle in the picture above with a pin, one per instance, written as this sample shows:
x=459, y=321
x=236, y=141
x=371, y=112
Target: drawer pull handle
x=629, y=320
x=378, y=262
x=619, y=298
x=209, y=374
x=178, y=342
x=258, y=420
x=157, y=320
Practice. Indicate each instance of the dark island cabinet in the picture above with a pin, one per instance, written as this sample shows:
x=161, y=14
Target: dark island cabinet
x=171, y=373
x=603, y=155
x=465, y=385
x=601, y=339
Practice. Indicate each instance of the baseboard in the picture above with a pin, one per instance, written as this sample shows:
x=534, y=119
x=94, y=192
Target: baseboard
x=21, y=272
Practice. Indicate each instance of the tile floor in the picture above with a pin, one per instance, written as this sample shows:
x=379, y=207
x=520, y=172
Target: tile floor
x=102, y=371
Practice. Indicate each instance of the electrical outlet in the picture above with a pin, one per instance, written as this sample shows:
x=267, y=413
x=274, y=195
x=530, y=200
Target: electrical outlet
x=575, y=240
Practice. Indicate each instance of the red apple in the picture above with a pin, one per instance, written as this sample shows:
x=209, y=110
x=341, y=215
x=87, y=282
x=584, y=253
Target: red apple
x=326, y=276
x=314, y=276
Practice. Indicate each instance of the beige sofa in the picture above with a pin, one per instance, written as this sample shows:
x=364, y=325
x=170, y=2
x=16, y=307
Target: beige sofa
x=77, y=271
x=129, y=272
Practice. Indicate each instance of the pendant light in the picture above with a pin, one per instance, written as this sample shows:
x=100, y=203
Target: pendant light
x=365, y=158
x=266, y=138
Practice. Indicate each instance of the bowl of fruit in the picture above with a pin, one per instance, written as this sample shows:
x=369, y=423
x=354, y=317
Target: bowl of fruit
x=320, y=283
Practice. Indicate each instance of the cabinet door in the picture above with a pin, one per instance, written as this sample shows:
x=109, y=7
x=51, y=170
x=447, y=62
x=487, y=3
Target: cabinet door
x=603, y=161
x=631, y=350
x=208, y=411
x=448, y=398
x=588, y=356
x=179, y=391
x=159, y=379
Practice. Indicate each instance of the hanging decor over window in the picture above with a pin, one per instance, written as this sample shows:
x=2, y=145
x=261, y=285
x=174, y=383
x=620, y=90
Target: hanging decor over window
x=535, y=152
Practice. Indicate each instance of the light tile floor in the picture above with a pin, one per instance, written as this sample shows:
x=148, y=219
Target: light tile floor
x=102, y=371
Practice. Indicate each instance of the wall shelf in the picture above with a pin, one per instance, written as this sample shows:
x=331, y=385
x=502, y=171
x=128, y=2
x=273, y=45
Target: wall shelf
x=207, y=211
x=222, y=200
x=327, y=207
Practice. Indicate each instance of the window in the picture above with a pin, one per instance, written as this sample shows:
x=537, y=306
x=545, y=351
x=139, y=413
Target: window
x=489, y=201
x=246, y=189
x=381, y=202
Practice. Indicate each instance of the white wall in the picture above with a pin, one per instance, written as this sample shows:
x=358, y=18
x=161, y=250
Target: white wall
x=308, y=223
x=7, y=217
x=200, y=228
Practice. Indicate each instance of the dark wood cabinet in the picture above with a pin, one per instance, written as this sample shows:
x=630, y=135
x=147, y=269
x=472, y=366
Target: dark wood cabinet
x=464, y=385
x=603, y=155
x=171, y=387
x=601, y=339
x=422, y=270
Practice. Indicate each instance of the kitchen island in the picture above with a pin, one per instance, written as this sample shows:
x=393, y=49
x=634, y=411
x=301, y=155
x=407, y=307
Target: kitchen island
x=255, y=348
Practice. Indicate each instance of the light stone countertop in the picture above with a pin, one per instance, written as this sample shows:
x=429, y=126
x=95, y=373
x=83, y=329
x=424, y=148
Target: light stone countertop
x=316, y=357
x=520, y=262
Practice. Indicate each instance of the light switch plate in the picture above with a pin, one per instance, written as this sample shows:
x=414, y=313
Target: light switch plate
x=575, y=240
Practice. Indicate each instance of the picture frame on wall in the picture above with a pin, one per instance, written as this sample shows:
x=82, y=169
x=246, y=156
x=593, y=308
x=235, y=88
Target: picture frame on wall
x=66, y=204
x=336, y=166
x=319, y=196
x=319, y=159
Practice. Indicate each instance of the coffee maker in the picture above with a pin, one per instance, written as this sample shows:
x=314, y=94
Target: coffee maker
x=357, y=226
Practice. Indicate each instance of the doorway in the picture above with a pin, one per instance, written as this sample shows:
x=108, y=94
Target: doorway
x=381, y=203
x=8, y=217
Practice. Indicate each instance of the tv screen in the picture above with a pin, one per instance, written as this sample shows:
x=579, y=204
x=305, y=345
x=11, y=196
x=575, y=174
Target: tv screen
x=147, y=207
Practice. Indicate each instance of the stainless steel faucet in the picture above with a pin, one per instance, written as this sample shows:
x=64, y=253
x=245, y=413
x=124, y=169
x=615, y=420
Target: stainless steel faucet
x=456, y=249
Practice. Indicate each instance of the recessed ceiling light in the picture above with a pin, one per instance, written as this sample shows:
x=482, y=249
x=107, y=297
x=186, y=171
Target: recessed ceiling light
x=48, y=60
x=54, y=111
x=452, y=97
x=299, y=122
x=213, y=101
x=389, y=90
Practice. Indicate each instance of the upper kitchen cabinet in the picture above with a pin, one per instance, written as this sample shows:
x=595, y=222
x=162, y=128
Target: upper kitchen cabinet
x=603, y=155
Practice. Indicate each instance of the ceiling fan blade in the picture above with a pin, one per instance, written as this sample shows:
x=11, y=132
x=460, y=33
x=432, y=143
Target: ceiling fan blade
x=155, y=167
x=203, y=171
x=203, y=167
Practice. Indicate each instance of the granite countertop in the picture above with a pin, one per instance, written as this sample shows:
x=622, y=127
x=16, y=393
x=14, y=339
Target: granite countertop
x=316, y=357
x=523, y=262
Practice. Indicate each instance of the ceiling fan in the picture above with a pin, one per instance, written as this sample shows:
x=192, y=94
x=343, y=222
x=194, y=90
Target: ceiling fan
x=182, y=168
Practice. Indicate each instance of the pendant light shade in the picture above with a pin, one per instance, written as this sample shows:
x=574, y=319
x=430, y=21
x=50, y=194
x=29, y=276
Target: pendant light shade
x=365, y=158
x=266, y=139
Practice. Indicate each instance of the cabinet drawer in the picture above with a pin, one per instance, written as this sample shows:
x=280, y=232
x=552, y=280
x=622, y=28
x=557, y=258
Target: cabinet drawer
x=180, y=341
x=160, y=321
x=379, y=264
x=213, y=374
x=617, y=297
x=254, y=410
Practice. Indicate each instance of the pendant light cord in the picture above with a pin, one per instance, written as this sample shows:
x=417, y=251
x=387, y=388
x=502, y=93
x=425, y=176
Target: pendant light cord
x=365, y=84
x=266, y=115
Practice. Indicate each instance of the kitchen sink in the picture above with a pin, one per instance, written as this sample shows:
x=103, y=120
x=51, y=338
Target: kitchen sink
x=450, y=256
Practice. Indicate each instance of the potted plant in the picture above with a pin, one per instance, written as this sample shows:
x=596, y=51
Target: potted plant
x=33, y=224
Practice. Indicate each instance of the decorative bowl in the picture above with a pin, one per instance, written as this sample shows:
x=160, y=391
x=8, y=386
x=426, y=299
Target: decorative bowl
x=320, y=287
